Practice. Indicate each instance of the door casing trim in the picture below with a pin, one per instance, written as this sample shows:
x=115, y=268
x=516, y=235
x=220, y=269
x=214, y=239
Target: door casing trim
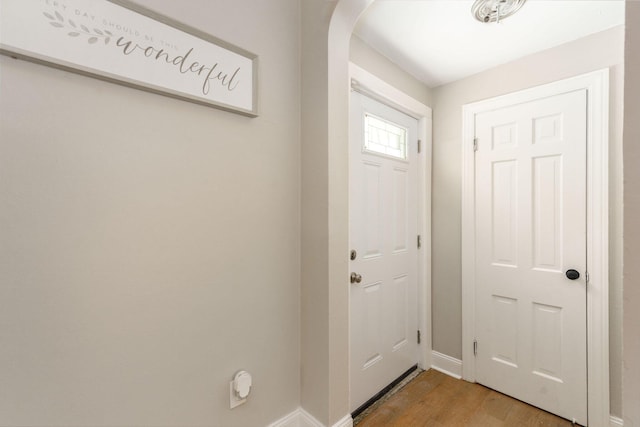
x=597, y=85
x=391, y=96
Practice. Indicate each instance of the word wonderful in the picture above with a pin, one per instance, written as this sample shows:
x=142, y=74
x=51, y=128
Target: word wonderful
x=184, y=65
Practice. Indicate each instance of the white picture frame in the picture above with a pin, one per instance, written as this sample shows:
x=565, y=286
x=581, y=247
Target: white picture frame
x=124, y=43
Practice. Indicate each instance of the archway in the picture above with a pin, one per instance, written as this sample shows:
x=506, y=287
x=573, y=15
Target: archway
x=326, y=32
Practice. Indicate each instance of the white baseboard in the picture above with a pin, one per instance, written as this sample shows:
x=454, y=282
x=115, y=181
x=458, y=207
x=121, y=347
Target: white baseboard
x=446, y=364
x=347, y=421
x=616, y=422
x=289, y=420
x=301, y=418
x=308, y=420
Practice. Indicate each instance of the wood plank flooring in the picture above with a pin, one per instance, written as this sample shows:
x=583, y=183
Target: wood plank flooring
x=437, y=400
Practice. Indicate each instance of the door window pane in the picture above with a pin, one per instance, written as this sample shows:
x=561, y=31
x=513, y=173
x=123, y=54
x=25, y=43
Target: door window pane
x=384, y=137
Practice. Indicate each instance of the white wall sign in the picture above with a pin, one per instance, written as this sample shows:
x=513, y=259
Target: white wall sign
x=125, y=43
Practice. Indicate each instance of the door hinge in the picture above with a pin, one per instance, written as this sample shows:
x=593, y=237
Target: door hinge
x=418, y=336
x=419, y=241
x=475, y=347
x=419, y=146
x=475, y=144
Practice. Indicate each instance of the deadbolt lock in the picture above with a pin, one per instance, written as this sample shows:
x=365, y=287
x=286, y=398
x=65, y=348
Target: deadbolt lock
x=353, y=254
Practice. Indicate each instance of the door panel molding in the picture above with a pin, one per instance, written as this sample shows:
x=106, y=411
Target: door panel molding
x=597, y=87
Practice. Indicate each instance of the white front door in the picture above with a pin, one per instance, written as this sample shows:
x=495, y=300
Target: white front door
x=383, y=237
x=530, y=235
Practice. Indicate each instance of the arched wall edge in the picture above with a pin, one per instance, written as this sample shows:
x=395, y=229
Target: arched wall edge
x=341, y=26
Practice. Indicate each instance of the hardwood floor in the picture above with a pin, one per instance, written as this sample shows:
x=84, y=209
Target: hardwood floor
x=434, y=399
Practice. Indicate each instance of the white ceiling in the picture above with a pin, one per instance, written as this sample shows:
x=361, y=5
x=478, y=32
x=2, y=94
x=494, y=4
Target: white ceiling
x=439, y=41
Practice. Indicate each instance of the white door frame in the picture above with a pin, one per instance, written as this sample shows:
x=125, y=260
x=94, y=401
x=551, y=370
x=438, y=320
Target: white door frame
x=367, y=83
x=597, y=86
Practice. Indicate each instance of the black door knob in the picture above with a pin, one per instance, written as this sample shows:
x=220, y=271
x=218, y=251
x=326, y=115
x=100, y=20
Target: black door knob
x=572, y=274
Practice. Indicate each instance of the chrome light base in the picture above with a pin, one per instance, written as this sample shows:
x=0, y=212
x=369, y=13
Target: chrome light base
x=495, y=10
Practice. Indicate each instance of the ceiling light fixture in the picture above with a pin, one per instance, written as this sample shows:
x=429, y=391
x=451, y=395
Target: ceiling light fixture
x=495, y=10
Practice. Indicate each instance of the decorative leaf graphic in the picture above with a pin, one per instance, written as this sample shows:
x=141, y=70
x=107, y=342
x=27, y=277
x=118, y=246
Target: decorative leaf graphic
x=59, y=21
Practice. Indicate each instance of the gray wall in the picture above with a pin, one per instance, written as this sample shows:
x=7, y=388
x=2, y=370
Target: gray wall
x=594, y=52
x=371, y=60
x=149, y=247
x=631, y=384
x=315, y=337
